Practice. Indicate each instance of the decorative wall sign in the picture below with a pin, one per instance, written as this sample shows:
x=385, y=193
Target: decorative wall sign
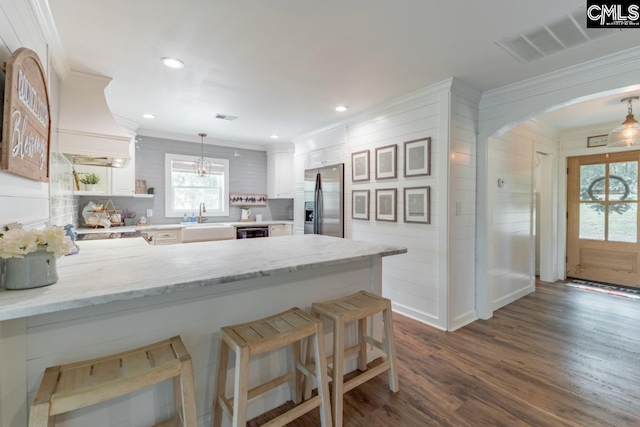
x=417, y=201
x=247, y=199
x=360, y=204
x=360, y=166
x=417, y=157
x=597, y=141
x=26, y=123
x=386, y=204
x=386, y=162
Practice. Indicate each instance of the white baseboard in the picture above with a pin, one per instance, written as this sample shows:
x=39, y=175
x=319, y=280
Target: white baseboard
x=508, y=299
x=417, y=315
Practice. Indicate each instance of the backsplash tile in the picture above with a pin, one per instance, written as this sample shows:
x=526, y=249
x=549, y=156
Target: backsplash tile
x=63, y=204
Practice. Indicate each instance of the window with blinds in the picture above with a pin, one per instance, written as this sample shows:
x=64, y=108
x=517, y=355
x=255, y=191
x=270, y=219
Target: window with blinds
x=185, y=190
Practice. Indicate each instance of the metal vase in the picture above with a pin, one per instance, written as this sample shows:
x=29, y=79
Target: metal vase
x=33, y=271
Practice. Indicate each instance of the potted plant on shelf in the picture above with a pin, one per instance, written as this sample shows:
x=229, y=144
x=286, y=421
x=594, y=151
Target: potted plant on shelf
x=128, y=216
x=90, y=180
x=151, y=190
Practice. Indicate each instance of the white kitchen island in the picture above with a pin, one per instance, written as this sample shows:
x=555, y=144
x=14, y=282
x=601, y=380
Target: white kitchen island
x=120, y=294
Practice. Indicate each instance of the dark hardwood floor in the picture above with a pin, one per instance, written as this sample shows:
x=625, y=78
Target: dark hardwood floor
x=557, y=357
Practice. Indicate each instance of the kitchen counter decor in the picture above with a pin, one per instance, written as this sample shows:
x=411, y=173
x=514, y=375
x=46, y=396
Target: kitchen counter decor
x=29, y=256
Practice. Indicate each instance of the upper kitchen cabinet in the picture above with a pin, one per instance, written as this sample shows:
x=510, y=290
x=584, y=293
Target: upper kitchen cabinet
x=325, y=156
x=123, y=180
x=113, y=181
x=280, y=174
x=322, y=148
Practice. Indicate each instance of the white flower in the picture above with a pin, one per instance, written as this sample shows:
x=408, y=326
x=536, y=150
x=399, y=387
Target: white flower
x=18, y=242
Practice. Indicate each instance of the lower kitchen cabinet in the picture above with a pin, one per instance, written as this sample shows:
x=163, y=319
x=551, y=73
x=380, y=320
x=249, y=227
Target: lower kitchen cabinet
x=280, y=230
x=164, y=237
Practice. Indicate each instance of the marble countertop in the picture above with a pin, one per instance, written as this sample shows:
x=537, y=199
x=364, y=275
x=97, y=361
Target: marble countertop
x=122, y=269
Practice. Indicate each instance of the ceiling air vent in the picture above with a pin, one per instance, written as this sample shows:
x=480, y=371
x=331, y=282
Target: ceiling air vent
x=554, y=37
x=225, y=117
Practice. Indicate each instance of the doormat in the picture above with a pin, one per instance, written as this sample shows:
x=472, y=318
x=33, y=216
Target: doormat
x=617, y=290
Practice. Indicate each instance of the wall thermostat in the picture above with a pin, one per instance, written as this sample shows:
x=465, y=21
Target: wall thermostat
x=500, y=182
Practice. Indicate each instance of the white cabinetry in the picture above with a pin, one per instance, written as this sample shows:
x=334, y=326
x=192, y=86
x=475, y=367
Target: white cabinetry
x=164, y=237
x=113, y=181
x=325, y=157
x=123, y=180
x=280, y=230
x=280, y=175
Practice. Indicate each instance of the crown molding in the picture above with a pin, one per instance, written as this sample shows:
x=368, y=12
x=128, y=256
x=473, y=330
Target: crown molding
x=561, y=79
x=196, y=140
x=42, y=13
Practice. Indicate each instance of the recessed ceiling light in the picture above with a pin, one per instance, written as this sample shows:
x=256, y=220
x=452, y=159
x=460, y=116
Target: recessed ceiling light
x=172, y=62
x=342, y=108
x=275, y=136
x=148, y=116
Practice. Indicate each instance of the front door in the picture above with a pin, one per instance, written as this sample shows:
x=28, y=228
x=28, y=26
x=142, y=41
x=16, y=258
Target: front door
x=602, y=218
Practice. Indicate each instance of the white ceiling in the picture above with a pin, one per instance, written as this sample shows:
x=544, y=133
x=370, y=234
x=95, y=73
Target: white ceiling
x=282, y=66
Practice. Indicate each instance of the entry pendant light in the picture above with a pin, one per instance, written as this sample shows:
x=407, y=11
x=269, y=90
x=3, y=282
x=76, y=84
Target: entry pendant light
x=202, y=166
x=628, y=133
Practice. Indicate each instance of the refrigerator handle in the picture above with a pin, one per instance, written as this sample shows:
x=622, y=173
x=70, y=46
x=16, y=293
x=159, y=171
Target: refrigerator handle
x=317, y=205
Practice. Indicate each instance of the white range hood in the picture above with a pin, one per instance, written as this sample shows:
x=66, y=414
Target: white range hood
x=88, y=134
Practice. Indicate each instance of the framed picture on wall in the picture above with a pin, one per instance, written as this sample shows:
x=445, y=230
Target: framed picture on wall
x=360, y=166
x=386, y=162
x=417, y=202
x=386, y=204
x=597, y=141
x=360, y=204
x=417, y=157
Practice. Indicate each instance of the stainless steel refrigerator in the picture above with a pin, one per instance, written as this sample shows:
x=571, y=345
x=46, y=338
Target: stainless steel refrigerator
x=324, y=201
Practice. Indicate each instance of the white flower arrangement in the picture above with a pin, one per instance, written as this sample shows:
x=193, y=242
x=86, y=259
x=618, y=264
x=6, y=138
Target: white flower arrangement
x=16, y=243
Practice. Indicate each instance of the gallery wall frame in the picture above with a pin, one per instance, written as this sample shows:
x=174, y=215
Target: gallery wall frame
x=417, y=205
x=360, y=204
x=360, y=166
x=417, y=157
x=386, y=204
x=386, y=162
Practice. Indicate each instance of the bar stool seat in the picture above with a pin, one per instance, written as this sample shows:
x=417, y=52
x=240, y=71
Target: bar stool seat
x=65, y=388
x=356, y=307
x=247, y=339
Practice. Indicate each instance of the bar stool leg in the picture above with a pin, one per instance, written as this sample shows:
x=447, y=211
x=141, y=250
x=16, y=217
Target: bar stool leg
x=39, y=415
x=321, y=376
x=221, y=382
x=338, y=371
x=362, y=353
x=241, y=387
x=296, y=390
x=390, y=347
x=308, y=382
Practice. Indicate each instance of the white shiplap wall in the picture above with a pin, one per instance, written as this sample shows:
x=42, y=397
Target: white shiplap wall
x=434, y=281
x=462, y=205
x=22, y=199
x=510, y=270
x=412, y=281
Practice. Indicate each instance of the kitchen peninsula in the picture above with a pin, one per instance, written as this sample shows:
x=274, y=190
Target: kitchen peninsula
x=120, y=294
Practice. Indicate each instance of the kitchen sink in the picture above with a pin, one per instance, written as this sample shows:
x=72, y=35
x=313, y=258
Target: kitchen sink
x=207, y=232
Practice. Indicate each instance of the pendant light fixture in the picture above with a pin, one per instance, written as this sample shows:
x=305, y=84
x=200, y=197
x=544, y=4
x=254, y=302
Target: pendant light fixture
x=628, y=133
x=202, y=166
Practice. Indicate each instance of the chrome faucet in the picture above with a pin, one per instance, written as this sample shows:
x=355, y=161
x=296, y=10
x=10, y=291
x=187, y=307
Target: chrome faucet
x=202, y=210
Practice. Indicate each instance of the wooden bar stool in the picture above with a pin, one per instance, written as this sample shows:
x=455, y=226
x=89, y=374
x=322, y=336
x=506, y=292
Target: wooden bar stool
x=356, y=307
x=260, y=336
x=73, y=386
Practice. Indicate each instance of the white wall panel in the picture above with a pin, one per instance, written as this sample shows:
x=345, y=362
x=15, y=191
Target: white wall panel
x=23, y=199
x=510, y=259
